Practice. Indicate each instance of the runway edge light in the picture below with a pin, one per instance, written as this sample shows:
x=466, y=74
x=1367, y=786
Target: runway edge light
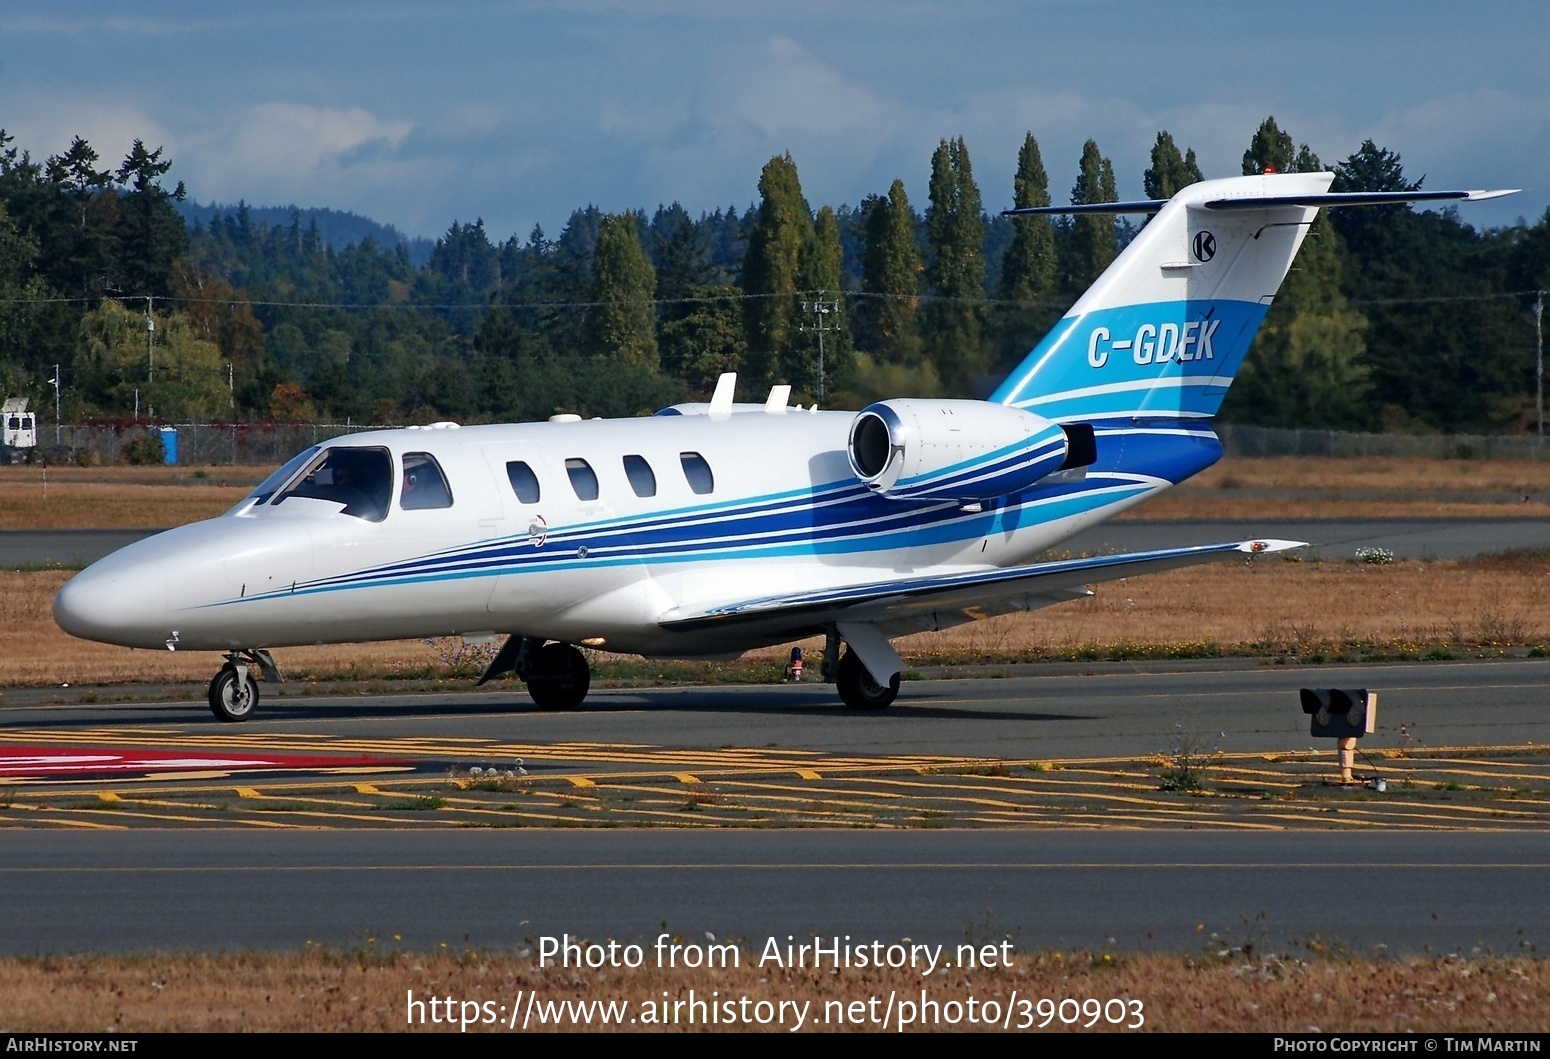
x=1345, y=714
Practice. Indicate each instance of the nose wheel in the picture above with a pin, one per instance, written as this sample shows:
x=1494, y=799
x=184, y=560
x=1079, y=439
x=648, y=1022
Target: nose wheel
x=233, y=693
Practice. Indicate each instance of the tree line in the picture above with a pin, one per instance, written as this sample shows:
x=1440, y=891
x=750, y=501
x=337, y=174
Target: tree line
x=1392, y=319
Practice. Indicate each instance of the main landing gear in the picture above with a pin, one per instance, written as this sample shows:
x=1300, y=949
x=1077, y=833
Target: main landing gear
x=556, y=674
x=857, y=688
x=233, y=691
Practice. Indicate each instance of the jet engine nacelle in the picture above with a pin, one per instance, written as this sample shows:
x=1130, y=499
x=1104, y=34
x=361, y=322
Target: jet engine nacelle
x=960, y=450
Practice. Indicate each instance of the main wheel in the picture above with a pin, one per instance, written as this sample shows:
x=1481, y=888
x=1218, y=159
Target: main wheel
x=559, y=677
x=233, y=694
x=859, y=690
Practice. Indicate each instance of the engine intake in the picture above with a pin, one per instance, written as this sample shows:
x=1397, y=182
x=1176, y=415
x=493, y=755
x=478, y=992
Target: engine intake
x=968, y=451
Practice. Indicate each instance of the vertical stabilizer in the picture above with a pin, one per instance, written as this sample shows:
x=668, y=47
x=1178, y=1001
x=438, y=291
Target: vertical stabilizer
x=1161, y=333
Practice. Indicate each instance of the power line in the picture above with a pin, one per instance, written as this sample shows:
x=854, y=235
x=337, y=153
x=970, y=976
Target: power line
x=1027, y=303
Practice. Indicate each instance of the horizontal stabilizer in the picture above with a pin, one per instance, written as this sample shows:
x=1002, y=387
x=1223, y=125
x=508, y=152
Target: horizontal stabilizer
x=1331, y=199
x=1325, y=200
x=891, y=600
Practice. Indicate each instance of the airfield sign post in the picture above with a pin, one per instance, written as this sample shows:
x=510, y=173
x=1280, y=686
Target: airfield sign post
x=1342, y=714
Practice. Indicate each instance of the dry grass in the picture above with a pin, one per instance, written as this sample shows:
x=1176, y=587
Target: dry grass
x=120, y=497
x=368, y=991
x=1281, y=487
x=1370, y=487
x=1265, y=607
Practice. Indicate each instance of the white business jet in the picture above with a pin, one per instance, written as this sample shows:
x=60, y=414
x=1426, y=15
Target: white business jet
x=710, y=529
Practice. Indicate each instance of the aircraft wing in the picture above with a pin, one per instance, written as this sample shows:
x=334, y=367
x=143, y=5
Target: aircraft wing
x=980, y=593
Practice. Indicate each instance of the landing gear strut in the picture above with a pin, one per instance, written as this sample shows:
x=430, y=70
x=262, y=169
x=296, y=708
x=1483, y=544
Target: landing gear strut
x=857, y=688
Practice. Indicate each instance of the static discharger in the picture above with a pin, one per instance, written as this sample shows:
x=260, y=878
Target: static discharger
x=1342, y=714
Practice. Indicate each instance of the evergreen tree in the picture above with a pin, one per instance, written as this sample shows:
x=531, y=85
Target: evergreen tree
x=890, y=273
x=680, y=261
x=151, y=234
x=708, y=340
x=1307, y=367
x=621, y=322
x=1090, y=241
x=770, y=269
x=1028, y=270
x=953, y=325
x=1170, y=171
x=1030, y=265
x=1272, y=151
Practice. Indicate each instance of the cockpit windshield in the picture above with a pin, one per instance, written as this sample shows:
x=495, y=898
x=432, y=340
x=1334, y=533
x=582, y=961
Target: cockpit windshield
x=360, y=479
x=267, y=487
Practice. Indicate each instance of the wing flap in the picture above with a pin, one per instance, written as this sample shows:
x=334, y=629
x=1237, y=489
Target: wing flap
x=1040, y=584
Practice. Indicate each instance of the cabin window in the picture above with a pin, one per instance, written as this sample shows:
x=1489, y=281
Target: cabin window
x=583, y=479
x=425, y=487
x=697, y=471
x=360, y=479
x=523, y=481
x=269, y=486
x=642, y=480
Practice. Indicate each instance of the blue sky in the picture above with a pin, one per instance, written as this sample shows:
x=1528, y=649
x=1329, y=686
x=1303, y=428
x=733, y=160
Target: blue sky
x=419, y=114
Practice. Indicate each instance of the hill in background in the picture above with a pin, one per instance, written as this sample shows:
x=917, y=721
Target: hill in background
x=338, y=228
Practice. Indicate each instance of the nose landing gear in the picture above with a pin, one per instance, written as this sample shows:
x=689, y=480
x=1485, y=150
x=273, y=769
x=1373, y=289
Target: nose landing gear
x=233, y=691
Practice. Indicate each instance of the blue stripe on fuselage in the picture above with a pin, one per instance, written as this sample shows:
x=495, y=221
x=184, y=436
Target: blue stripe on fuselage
x=845, y=519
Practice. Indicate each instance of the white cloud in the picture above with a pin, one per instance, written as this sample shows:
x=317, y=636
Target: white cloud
x=46, y=126
x=288, y=151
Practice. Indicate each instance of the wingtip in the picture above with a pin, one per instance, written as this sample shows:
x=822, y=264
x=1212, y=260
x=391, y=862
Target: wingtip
x=1264, y=547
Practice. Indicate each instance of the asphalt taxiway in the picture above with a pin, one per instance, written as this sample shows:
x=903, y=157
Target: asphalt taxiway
x=1455, y=866
x=1408, y=538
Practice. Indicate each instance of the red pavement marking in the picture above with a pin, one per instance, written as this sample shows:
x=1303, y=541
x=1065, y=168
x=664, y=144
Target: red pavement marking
x=68, y=760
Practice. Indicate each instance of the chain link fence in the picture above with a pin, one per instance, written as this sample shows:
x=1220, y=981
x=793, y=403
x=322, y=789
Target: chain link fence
x=204, y=444
x=1278, y=441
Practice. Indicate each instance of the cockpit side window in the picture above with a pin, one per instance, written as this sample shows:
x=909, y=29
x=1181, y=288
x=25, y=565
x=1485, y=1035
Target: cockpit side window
x=425, y=487
x=267, y=487
x=360, y=479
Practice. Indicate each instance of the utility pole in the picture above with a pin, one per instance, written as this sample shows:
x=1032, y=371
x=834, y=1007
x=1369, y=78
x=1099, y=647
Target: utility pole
x=821, y=311
x=1539, y=361
x=150, y=339
x=55, y=382
x=231, y=387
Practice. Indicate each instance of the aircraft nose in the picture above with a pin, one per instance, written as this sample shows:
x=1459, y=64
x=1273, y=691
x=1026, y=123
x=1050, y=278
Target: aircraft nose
x=116, y=602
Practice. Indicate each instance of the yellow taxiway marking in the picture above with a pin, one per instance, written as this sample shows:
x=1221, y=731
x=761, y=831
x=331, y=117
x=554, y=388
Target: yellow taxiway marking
x=365, y=788
x=247, y=792
x=808, y=774
x=684, y=777
x=580, y=781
